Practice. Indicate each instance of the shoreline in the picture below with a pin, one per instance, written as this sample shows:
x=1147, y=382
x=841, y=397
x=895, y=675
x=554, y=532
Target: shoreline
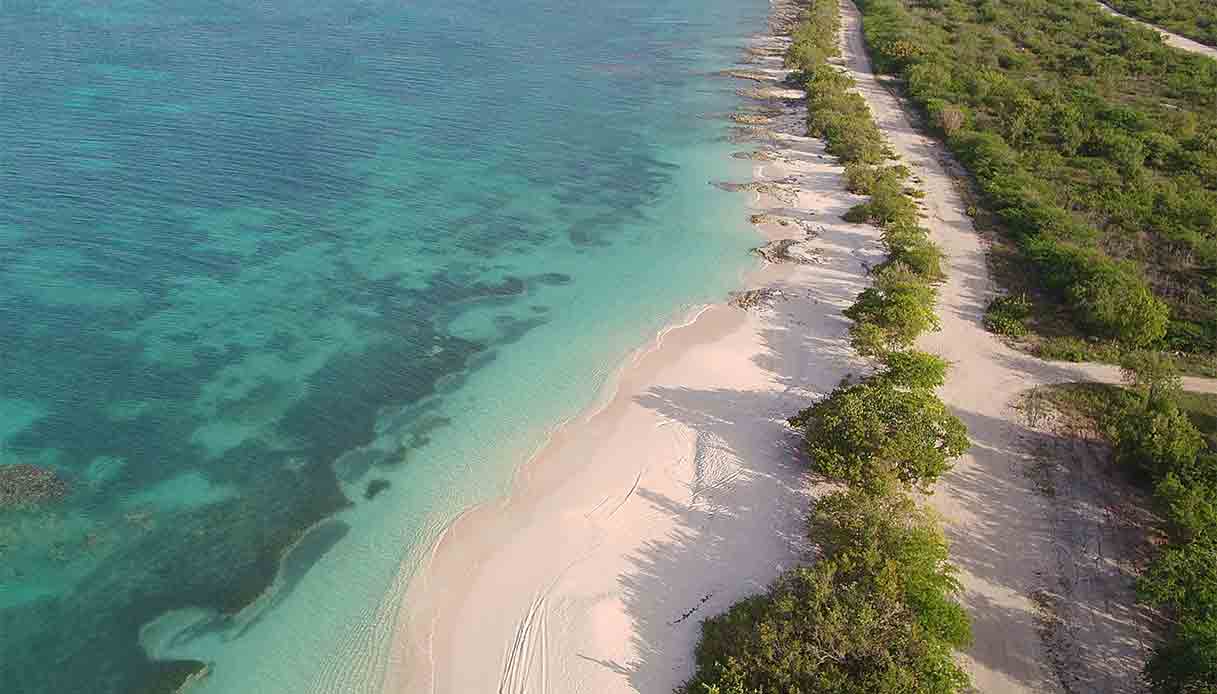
x=594, y=572
x=561, y=587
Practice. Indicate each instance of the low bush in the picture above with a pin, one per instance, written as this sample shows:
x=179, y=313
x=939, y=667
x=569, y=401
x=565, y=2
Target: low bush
x=911, y=369
x=1187, y=662
x=875, y=615
x=870, y=433
x=1007, y=315
x=893, y=312
x=910, y=246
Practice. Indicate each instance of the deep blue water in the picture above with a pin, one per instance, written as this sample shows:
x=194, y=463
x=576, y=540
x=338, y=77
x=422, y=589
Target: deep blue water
x=264, y=264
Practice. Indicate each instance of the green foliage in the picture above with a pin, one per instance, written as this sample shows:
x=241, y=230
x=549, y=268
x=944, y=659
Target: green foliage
x=1187, y=662
x=873, y=431
x=875, y=614
x=912, y=369
x=1156, y=440
x=1190, y=506
x=909, y=246
x=1075, y=350
x=1154, y=375
x=1117, y=304
x=1007, y=315
x=1092, y=143
x=1184, y=578
x=892, y=526
x=889, y=315
x=1195, y=19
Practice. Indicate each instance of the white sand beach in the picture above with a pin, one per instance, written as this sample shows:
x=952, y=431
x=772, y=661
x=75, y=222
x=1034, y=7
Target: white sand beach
x=683, y=494
x=686, y=491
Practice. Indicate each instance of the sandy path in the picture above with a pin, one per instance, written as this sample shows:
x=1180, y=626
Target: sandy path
x=1015, y=544
x=1175, y=40
x=684, y=494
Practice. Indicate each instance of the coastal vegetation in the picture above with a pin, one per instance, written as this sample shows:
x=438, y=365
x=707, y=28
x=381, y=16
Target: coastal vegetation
x=888, y=426
x=1167, y=439
x=1195, y=19
x=1094, y=149
x=877, y=611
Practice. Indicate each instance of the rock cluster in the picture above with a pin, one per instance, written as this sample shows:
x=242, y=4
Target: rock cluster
x=755, y=298
x=24, y=485
x=787, y=251
x=785, y=191
x=751, y=119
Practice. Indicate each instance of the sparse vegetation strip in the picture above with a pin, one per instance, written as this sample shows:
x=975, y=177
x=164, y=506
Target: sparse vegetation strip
x=1168, y=440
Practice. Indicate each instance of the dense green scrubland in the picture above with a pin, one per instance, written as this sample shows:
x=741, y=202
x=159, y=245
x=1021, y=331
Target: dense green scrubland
x=1195, y=19
x=1094, y=145
x=876, y=613
x=1167, y=439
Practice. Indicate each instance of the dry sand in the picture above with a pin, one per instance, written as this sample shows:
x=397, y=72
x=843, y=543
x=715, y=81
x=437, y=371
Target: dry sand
x=686, y=491
x=1180, y=42
x=683, y=494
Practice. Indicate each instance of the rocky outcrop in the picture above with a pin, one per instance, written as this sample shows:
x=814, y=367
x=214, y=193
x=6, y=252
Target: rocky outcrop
x=754, y=75
x=757, y=155
x=755, y=299
x=785, y=191
x=787, y=251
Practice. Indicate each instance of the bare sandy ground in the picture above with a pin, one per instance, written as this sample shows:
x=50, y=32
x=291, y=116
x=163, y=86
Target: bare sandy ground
x=1180, y=42
x=683, y=494
x=686, y=490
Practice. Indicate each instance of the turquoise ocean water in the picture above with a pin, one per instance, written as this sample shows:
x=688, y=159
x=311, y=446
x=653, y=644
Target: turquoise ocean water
x=285, y=285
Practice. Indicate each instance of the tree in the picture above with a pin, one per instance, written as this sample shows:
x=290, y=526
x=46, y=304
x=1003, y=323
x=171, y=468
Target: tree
x=1186, y=663
x=891, y=314
x=875, y=615
x=913, y=369
x=1184, y=578
x=1152, y=374
x=872, y=431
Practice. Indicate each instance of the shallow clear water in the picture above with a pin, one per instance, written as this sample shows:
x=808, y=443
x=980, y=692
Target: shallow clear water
x=286, y=285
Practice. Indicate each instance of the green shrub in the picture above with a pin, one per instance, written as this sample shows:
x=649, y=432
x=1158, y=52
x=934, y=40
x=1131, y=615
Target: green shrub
x=1157, y=440
x=1186, y=663
x=1117, y=304
x=876, y=614
x=868, y=433
x=912, y=369
x=1184, y=578
x=841, y=626
x=856, y=523
x=1091, y=144
x=889, y=315
x=908, y=245
x=1007, y=315
x=1190, y=507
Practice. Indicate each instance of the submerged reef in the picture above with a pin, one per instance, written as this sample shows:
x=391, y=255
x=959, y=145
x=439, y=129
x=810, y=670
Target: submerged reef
x=24, y=485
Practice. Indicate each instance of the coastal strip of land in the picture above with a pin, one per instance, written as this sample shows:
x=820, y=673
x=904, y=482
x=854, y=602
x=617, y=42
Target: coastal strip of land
x=682, y=494
x=687, y=490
